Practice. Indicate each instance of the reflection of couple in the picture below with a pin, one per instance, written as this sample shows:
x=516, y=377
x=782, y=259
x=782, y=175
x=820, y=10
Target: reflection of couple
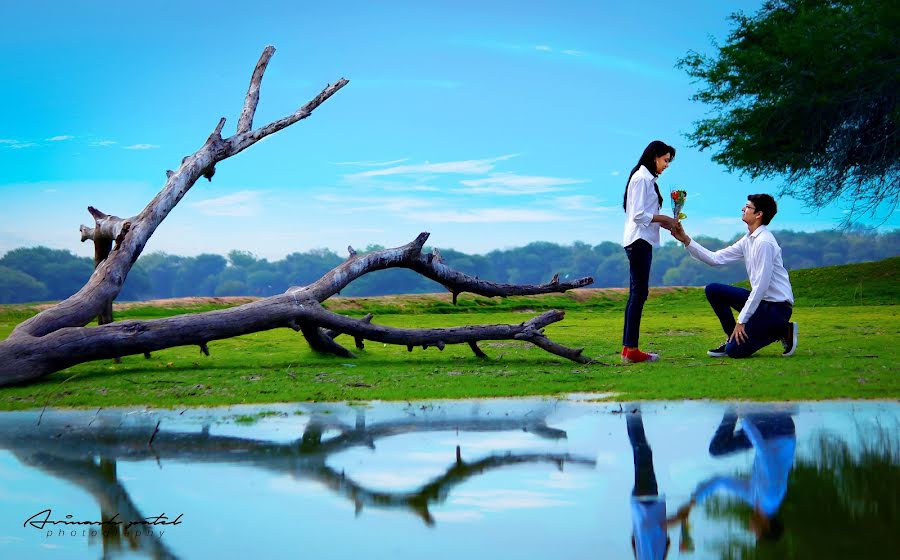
x=764, y=310
x=773, y=438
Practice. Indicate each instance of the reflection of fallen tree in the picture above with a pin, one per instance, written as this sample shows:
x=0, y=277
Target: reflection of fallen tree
x=304, y=458
x=101, y=482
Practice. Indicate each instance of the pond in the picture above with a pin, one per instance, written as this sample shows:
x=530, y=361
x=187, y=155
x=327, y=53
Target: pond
x=508, y=478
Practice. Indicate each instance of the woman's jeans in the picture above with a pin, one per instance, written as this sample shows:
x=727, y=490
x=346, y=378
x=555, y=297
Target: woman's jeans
x=640, y=254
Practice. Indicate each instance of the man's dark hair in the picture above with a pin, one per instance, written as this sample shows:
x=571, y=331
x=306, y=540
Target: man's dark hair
x=766, y=204
x=774, y=530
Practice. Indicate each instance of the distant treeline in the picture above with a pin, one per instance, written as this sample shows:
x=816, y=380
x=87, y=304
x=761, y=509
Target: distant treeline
x=39, y=273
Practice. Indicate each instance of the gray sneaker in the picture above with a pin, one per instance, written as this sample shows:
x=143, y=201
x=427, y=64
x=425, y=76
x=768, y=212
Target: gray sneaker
x=789, y=341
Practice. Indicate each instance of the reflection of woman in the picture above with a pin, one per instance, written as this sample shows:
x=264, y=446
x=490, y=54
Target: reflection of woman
x=642, y=205
x=650, y=539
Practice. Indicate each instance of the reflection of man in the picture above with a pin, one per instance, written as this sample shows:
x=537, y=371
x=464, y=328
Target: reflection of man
x=774, y=439
x=764, y=310
x=650, y=539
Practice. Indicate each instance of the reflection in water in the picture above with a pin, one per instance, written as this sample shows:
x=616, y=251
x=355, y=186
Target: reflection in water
x=773, y=439
x=840, y=503
x=458, y=479
x=650, y=539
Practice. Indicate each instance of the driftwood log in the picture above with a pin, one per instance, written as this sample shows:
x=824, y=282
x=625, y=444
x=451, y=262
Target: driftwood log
x=57, y=338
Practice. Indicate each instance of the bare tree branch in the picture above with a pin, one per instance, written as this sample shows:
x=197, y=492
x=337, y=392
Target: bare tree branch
x=57, y=338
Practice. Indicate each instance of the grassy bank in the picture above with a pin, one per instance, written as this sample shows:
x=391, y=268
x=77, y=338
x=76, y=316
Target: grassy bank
x=848, y=320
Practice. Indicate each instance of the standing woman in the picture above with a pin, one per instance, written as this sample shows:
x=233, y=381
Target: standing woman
x=642, y=205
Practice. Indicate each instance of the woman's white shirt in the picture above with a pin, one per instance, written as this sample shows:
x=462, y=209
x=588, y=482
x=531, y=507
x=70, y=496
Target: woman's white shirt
x=642, y=204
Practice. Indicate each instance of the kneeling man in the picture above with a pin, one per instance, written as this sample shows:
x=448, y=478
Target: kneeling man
x=765, y=310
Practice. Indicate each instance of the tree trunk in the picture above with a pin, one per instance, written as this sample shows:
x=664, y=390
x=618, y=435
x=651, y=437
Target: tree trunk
x=57, y=338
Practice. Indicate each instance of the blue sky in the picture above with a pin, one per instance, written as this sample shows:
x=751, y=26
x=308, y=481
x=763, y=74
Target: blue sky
x=490, y=124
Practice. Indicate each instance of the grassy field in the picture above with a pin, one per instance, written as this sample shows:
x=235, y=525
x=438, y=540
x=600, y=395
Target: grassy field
x=848, y=320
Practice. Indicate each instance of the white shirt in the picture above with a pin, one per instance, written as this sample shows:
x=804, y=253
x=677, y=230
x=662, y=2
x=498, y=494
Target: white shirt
x=648, y=521
x=768, y=481
x=640, y=207
x=762, y=256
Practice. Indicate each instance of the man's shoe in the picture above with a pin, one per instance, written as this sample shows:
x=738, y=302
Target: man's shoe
x=789, y=342
x=717, y=352
x=636, y=356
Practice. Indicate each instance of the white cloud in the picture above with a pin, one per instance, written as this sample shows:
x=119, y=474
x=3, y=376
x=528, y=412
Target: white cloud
x=104, y=143
x=544, y=48
x=413, y=188
x=466, y=167
x=141, y=147
x=572, y=52
x=352, y=204
x=510, y=183
x=502, y=500
x=490, y=215
x=239, y=204
x=616, y=173
x=582, y=202
x=59, y=138
x=16, y=144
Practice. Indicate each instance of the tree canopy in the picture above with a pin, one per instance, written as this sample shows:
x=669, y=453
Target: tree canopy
x=807, y=90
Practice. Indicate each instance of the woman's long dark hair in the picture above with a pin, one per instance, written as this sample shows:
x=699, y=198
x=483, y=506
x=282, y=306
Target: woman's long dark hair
x=653, y=150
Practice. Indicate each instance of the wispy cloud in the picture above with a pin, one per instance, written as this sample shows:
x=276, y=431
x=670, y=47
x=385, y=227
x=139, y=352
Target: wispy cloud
x=490, y=215
x=16, y=144
x=501, y=500
x=549, y=49
x=141, y=147
x=582, y=203
x=59, y=138
x=371, y=163
x=465, y=167
x=615, y=173
x=512, y=184
x=105, y=143
x=239, y=204
x=410, y=188
x=354, y=204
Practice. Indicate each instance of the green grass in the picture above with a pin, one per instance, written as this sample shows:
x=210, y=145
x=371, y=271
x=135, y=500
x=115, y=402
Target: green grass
x=848, y=333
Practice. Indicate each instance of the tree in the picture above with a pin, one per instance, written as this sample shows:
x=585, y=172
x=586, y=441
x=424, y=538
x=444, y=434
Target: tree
x=55, y=338
x=808, y=90
x=16, y=284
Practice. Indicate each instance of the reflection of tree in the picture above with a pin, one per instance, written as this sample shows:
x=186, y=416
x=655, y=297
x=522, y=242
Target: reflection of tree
x=839, y=504
x=69, y=452
x=100, y=481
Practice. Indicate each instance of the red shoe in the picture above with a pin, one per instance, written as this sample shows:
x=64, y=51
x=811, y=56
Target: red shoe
x=634, y=356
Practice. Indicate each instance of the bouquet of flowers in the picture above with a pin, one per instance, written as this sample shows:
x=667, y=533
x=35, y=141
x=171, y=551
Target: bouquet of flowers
x=678, y=197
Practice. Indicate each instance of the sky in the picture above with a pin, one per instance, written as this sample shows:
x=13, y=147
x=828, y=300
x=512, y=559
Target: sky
x=490, y=124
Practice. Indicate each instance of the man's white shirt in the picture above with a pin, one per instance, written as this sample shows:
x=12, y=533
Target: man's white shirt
x=762, y=256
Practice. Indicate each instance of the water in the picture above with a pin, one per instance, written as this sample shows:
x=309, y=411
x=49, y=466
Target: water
x=529, y=478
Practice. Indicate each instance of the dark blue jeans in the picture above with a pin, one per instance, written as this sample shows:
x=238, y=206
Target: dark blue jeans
x=770, y=425
x=767, y=324
x=640, y=255
x=644, y=475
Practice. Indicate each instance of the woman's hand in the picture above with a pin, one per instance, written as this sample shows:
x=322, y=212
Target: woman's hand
x=666, y=222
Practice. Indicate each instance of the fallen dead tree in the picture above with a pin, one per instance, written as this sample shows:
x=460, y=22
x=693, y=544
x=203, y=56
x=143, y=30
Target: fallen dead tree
x=57, y=338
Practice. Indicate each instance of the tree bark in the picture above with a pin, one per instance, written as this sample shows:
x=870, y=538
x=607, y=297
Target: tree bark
x=57, y=338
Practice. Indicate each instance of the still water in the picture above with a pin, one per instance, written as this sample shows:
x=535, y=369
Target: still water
x=512, y=478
